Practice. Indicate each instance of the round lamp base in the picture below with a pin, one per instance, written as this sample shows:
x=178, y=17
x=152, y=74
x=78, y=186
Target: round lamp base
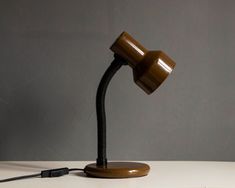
x=117, y=170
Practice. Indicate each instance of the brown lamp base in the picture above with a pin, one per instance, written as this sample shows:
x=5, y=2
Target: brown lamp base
x=117, y=170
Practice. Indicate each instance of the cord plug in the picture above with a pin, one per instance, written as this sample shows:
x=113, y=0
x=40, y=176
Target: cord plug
x=44, y=174
x=54, y=172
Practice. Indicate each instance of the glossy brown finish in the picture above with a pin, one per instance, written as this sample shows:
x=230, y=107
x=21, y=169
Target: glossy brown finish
x=129, y=49
x=117, y=170
x=150, y=68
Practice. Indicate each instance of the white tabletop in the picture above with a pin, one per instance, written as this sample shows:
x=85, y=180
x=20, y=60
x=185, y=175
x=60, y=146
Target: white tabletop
x=163, y=174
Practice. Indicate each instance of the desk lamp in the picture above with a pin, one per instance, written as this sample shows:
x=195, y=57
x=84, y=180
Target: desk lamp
x=150, y=69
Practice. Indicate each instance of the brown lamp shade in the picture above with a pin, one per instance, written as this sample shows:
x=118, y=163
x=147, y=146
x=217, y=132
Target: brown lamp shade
x=150, y=68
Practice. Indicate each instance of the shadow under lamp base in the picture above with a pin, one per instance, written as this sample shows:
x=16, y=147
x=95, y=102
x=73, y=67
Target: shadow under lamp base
x=117, y=170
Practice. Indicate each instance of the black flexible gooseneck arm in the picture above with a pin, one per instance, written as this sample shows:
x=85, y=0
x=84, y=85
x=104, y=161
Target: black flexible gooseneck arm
x=100, y=107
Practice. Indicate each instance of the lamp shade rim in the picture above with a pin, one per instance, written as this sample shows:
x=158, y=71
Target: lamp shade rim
x=153, y=70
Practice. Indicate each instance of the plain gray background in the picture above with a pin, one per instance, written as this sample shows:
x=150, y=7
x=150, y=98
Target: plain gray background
x=52, y=57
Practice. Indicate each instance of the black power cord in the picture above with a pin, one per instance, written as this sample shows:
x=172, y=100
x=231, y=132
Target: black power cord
x=45, y=174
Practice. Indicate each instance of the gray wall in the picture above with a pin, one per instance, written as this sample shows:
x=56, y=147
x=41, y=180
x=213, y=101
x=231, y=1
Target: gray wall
x=53, y=54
